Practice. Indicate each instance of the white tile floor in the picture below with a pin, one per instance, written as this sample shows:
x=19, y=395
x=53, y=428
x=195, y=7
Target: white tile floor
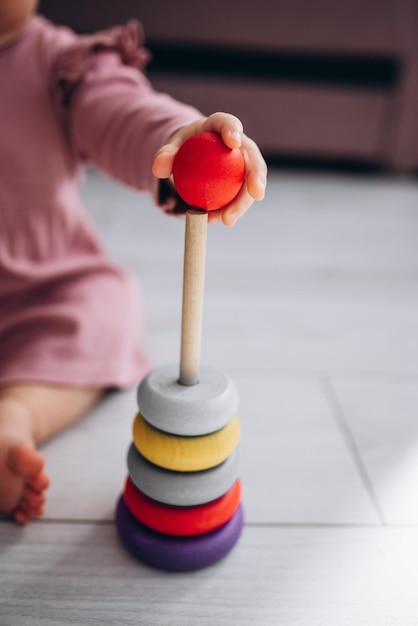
x=312, y=307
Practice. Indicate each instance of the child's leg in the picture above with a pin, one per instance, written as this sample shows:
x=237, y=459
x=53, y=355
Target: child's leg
x=30, y=414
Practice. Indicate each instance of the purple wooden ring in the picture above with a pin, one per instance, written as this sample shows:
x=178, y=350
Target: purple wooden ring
x=176, y=553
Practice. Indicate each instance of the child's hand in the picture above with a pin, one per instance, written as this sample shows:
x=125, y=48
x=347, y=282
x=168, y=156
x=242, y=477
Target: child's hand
x=230, y=129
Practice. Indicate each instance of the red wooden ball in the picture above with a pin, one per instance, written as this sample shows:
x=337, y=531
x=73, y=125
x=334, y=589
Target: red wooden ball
x=207, y=174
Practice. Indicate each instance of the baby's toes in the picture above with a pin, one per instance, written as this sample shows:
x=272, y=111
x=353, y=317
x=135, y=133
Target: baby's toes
x=40, y=482
x=25, y=461
x=35, y=511
x=30, y=506
x=24, y=513
x=21, y=516
x=32, y=498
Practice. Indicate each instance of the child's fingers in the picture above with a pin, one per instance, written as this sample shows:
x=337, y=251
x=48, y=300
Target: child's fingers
x=256, y=169
x=252, y=189
x=227, y=125
x=162, y=165
x=231, y=213
x=231, y=131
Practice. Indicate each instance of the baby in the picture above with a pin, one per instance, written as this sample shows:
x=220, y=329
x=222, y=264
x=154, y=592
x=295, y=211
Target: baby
x=65, y=101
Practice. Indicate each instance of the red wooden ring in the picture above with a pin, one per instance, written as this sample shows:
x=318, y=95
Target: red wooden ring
x=179, y=520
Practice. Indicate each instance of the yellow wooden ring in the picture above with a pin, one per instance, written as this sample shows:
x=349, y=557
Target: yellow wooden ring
x=185, y=454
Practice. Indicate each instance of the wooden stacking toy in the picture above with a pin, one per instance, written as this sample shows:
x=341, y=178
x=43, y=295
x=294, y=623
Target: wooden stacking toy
x=181, y=505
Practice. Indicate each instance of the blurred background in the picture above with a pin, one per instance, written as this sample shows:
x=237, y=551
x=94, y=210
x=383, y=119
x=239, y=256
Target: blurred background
x=315, y=82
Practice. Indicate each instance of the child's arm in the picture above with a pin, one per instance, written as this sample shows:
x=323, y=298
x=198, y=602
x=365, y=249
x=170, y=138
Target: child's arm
x=230, y=128
x=117, y=121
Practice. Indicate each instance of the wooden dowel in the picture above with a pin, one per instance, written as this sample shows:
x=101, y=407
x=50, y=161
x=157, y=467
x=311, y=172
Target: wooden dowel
x=193, y=288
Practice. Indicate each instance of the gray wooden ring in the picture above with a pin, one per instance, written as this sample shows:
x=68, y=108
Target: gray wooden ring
x=182, y=488
x=187, y=410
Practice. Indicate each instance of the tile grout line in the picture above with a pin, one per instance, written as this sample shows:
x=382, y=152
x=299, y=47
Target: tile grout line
x=331, y=525
x=337, y=411
x=407, y=378
x=273, y=525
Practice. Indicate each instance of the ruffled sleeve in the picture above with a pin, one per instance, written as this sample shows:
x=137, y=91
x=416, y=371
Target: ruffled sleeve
x=113, y=117
x=74, y=61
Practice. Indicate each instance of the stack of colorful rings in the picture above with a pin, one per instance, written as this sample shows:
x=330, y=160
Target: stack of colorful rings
x=181, y=506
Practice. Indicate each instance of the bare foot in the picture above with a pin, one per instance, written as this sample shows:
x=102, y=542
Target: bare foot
x=30, y=413
x=22, y=479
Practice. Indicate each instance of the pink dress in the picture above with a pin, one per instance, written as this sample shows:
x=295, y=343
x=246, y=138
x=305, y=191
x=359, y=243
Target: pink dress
x=68, y=315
